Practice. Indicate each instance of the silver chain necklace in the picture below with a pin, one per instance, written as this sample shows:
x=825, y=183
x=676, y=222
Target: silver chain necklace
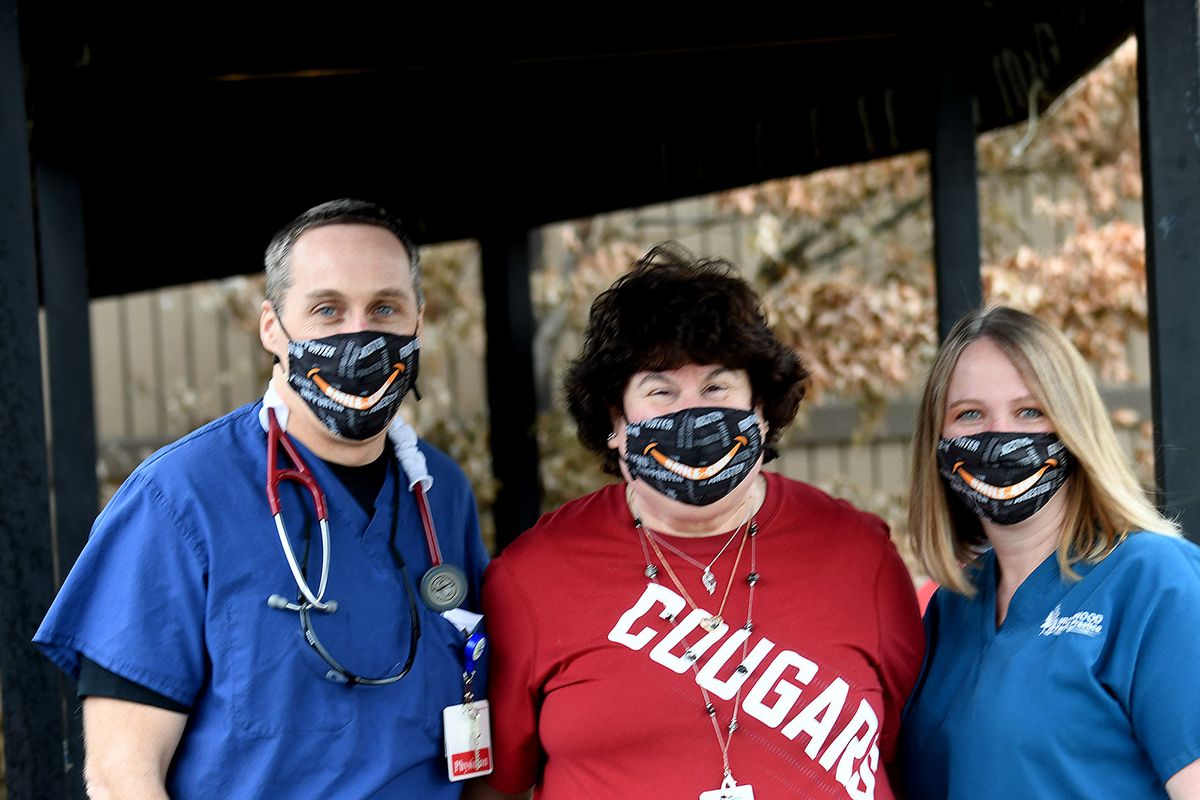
x=651, y=571
x=707, y=578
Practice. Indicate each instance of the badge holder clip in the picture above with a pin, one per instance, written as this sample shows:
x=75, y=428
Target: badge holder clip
x=468, y=724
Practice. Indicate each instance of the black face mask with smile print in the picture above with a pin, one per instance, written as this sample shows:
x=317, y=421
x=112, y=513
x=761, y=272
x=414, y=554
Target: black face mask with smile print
x=354, y=382
x=695, y=456
x=1004, y=477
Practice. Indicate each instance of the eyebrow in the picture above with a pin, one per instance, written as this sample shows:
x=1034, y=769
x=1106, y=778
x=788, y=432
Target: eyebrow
x=657, y=375
x=653, y=375
x=334, y=294
x=1028, y=399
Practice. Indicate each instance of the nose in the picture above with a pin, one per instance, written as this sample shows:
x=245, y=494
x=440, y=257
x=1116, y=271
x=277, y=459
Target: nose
x=688, y=398
x=355, y=321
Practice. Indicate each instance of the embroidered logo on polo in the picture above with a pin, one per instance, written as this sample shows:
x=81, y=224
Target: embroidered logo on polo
x=1086, y=623
x=849, y=753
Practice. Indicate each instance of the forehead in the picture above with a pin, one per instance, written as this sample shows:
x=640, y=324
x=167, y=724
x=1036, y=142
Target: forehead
x=348, y=258
x=985, y=373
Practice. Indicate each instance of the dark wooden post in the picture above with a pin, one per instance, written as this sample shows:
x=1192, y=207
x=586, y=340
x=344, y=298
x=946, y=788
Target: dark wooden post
x=512, y=400
x=955, y=200
x=33, y=749
x=1169, y=106
x=72, y=413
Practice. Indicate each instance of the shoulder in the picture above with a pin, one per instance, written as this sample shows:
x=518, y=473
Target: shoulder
x=1150, y=555
x=221, y=439
x=217, y=459
x=223, y=454
x=839, y=519
x=442, y=467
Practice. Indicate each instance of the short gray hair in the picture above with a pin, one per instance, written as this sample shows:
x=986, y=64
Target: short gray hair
x=336, y=212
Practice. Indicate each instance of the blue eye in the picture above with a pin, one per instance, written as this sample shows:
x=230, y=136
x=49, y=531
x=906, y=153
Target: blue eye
x=1030, y=413
x=325, y=311
x=385, y=311
x=969, y=414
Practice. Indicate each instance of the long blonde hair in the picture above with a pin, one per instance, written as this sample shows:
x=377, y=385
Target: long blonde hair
x=1104, y=501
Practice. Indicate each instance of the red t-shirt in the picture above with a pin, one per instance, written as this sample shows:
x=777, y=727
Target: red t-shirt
x=591, y=699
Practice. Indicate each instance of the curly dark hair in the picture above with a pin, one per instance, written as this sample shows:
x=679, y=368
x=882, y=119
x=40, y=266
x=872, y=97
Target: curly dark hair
x=669, y=311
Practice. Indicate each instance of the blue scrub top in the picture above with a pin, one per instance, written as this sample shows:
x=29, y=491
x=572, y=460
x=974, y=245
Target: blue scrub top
x=1089, y=689
x=171, y=592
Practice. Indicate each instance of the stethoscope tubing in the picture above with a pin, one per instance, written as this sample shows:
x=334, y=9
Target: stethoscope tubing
x=317, y=600
x=300, y=473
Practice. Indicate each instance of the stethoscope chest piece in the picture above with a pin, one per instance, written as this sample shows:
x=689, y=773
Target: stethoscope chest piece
x=444, y=587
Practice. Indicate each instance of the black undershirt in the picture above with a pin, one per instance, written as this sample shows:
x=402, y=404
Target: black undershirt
x=364, y=484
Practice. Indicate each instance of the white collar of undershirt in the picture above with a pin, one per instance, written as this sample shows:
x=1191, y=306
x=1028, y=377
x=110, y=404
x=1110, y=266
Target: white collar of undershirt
x=402, y=435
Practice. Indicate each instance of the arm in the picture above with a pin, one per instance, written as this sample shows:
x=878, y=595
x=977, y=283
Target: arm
x=128, y=748
x=478, y=790
x=1185, y=784
x=514, y=691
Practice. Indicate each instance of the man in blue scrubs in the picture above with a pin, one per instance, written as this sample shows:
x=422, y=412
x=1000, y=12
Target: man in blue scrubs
x=195, y=684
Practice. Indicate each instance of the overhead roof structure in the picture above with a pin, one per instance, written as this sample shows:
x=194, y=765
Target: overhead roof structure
x=199, y=129
x=153, y=146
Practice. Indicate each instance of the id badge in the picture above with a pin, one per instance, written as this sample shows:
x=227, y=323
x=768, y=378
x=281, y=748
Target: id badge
x=743, y=792
x=468, y=740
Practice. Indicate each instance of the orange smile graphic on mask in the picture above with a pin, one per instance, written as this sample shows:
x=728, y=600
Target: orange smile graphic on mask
x=349, y=400
x=1003, y=492
x=696, y=473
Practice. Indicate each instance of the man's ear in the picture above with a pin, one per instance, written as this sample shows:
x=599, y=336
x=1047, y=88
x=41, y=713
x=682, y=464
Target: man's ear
x=270, y=331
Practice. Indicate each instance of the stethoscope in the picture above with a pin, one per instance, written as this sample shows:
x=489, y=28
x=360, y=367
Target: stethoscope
x=443, y=586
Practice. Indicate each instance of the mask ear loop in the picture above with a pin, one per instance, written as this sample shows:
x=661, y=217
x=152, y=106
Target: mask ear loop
x=416, y=392
x=279, y=319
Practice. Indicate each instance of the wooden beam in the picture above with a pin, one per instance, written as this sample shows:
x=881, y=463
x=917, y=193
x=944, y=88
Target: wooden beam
x=512, y=402
x=955, y=195
x=1169, y=110
x=72, y=413
x=33, y=751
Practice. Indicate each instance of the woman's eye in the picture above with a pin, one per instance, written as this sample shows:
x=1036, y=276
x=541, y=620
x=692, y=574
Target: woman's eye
x=969, y=414
x=1030, y=413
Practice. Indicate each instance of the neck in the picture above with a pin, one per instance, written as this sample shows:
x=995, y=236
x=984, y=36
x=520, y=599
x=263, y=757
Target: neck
x=663, y=515
x=1020, y=548
x=304, y=427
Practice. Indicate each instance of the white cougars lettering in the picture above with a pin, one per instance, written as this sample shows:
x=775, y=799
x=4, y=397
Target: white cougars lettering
x=817, y=718
x=852, y=756
x=727, y=689
x=662, y=651
x=672, y=604
x=772, y=716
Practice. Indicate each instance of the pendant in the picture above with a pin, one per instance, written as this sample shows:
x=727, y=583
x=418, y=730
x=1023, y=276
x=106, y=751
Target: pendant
x=729, y=791
x=709, y=580
x=743, y=792
x=710, y=624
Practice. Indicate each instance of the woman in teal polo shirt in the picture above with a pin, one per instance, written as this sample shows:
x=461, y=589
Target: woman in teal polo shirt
x=1063, y=655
